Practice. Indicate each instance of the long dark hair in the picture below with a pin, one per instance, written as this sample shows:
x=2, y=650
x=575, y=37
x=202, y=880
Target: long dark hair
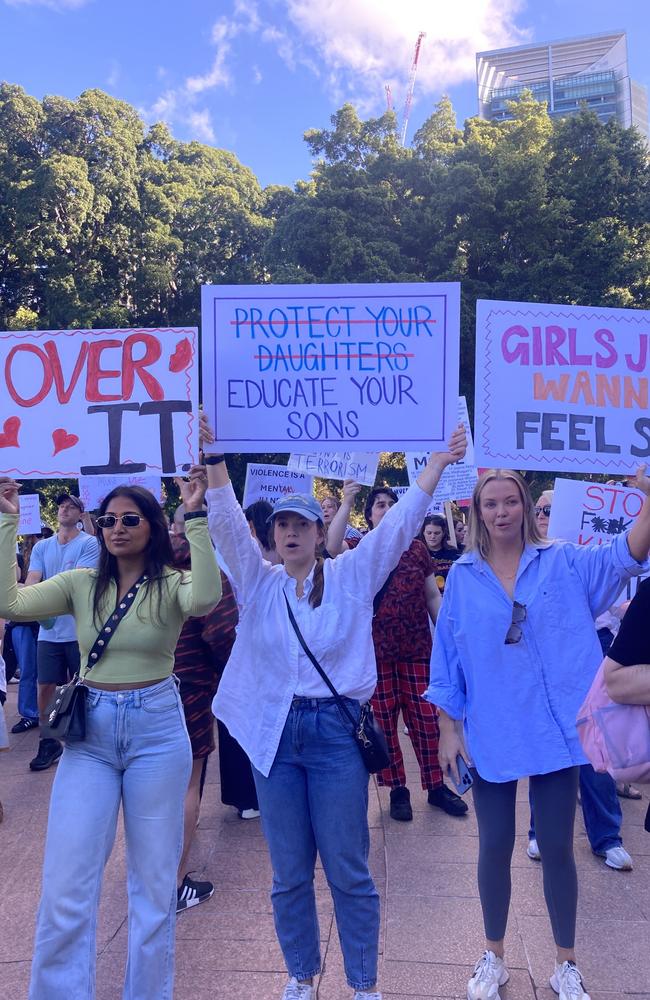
x=258, y=514
x=159, y=556
x=440, y=522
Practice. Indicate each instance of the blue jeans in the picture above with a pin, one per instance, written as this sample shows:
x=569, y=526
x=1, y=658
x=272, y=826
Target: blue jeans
x=137, y=753
x=25, y=648
x=316, y=799
x=601, y=810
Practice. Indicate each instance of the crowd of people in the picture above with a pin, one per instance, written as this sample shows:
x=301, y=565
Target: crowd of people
x=285, y=622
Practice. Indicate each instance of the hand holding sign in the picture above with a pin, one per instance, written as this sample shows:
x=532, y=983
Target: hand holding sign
x=9, y=497
x=640, y=481
x=439, y=460
x=206, y=434
x=192, y=490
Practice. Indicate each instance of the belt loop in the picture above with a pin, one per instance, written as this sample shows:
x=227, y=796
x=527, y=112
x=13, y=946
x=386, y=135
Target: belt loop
x=137, y=697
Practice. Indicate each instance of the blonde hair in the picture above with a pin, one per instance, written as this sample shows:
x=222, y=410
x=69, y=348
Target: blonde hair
x=477, y=538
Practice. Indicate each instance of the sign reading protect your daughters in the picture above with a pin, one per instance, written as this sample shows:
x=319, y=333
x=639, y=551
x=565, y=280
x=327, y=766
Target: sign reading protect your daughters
x=561, y=387
x=97, y=402
x=363, y=367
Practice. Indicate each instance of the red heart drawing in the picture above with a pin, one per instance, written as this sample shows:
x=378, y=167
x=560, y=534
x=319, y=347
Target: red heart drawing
x=62, y=440
x=181, y=357
x=9, y=435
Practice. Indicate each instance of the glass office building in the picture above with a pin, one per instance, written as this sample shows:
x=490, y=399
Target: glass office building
x=591, y=71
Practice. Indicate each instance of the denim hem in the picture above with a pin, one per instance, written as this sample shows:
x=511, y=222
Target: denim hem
x=304, y=975
x=363, y=987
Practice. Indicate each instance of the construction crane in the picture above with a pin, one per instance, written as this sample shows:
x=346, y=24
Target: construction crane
x=411, y=87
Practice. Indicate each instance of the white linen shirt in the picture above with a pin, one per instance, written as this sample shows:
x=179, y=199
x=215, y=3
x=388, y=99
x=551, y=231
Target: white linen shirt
x=267, y=666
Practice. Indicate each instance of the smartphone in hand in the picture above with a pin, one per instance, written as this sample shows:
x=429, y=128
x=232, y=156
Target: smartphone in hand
x=466, y=780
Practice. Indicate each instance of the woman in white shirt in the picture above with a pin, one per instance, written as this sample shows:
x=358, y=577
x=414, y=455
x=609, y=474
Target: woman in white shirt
x=311, y=782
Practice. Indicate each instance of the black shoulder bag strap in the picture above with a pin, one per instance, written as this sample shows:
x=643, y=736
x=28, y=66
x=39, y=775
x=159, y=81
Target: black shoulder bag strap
x=109, y=627
x=339, y=701
x=379, y=596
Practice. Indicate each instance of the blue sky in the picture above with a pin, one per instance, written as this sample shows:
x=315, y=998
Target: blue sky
x=251, y=75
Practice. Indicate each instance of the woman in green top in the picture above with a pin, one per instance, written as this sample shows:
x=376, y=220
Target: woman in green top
x=136, y=752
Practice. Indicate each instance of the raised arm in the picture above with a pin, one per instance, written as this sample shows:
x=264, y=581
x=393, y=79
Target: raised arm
x=204, y=592
x=638, y=538
x=336, y=530
x=43, y=600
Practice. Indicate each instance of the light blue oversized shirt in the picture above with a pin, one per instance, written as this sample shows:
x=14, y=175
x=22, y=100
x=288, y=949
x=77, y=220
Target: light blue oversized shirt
x=519, y=702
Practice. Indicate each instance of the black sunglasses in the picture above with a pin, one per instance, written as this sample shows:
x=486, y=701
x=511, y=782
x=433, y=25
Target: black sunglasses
x=514, y=632
x=545, y=510
x=128, y=520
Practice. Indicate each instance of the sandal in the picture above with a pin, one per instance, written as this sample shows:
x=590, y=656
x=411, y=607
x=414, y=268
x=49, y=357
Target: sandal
x=627, y=791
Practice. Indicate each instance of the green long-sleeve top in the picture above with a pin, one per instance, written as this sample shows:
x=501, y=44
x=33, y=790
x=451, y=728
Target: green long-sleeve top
x=143, y=646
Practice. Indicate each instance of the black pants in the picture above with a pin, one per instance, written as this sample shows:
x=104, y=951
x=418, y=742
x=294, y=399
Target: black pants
x=553, y=797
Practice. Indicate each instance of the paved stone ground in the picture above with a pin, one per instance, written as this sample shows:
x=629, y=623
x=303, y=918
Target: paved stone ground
x=425, y=871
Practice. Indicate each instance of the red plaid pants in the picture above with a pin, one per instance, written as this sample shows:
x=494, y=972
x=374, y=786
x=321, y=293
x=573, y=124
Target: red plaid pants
x=399, y=686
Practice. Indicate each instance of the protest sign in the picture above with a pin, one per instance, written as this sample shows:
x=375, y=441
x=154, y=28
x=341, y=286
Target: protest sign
x=457, y=482
x=29, y=522
x=270, y=482
x=561, y=387
x=592, y=513
x=93, y=489
x=435, y=507
x=294, y=367
x=97, y=402
x=358, y=465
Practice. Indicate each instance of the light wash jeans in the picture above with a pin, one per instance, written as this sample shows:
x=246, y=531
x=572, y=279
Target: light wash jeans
x=137, y=753
x=316, y=799
x=24, y=642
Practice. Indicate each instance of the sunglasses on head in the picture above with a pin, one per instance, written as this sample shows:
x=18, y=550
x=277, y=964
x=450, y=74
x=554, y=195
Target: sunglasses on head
x=128, y=520
x=514, y=632
x=545, y=510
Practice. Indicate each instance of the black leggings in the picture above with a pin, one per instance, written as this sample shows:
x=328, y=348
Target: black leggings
x=553, y=797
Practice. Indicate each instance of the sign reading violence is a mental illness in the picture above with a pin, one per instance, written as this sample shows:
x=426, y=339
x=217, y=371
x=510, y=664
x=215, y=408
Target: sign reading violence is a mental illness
x=561, y=387
x=98, y=402
x=287, y=368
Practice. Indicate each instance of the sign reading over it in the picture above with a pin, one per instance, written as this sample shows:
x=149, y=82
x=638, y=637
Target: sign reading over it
x=295, y=367
x=457, y=482
x=358, y=465
x=592, y=513
x=97, y=402
x=270, y=482
x=93, y=489
x=562, y=387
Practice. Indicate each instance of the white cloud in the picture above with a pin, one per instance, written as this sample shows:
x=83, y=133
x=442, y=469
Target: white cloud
x=114, y=74
x=200, y=124
x=366, y=43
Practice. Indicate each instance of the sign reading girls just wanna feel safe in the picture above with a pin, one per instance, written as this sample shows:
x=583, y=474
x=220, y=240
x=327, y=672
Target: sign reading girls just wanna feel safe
x=290, y=368
x=97, y=402
x=562, y=387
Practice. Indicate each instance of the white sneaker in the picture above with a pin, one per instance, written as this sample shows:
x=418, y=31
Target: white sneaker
x=249, y=813
x=618, y=858
x=489, y=973
x=297, y=991
x=364, y=995
x=567, y=982
x=533, y=850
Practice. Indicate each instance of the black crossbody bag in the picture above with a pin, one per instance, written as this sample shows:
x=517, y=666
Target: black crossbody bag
x=366, y=733
x=66, y=715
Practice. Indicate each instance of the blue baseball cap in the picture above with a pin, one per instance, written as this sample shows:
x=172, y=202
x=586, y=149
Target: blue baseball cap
x=298, y=503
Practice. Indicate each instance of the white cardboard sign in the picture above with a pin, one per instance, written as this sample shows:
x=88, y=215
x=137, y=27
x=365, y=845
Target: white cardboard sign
x=435, y=507
x=457, y=482
x=296, y=368
x=592, y=513
x=97, y=402
x=93, y=489
x=358, y=465
x=562, y=387
x=29, y=522
x=270, y=482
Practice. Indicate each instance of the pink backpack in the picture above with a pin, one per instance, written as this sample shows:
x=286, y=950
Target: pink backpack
x=615, y=738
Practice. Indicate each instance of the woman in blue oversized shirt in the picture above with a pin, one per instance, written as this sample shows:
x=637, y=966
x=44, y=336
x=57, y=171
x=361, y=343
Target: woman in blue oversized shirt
x=515, y=652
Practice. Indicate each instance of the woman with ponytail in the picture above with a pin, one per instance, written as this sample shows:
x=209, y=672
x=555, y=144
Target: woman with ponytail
x=312, y=784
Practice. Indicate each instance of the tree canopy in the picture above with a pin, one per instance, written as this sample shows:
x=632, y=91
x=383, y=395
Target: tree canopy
x=107, y=222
